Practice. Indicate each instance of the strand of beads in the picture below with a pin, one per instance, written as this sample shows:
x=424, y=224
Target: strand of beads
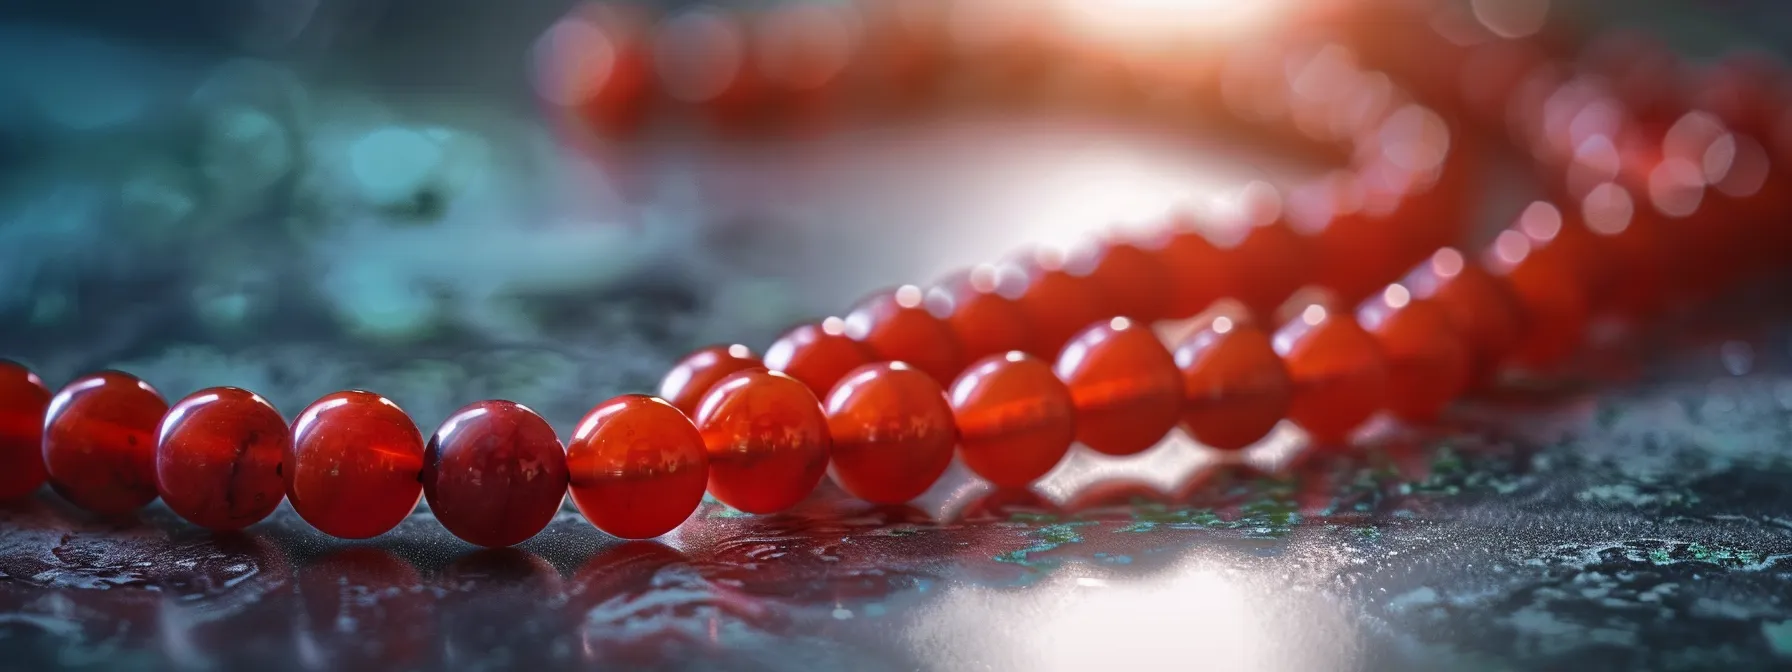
x=1008, y=364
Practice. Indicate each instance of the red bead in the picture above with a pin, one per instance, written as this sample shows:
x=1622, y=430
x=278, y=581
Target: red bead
x=638, y=467
x=818, y=354
x=704, y=58
x=1356, y=252
x=355, y=464
x=1482, y=308
x=100, y=442
x=219, y=458
x=1338, y=371
x=1015, y=419
x=1195, y=267
x=897, y=326
x=1127, y=391
x=1546, y=280
x=1269, y=260
x=1134, y=281
x=494, y=473
x=691, y=378
x=767, y=439
x=1058, y=304
x=893, y=432
x=1235, y=388
x=979, y=306
x=596, y=62
x=1428, y=363
x=23, y=400
x=1639, y=248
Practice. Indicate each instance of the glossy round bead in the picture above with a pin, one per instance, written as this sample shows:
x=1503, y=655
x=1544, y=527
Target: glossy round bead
x=1482, y=308
x=1015, y=419
x=638, y=467
x=691, y=378
x=1235, y=388
x=595, y=62
x=767, y=439
x=1270, y=260
x=1057, y=303
x=1546, y=280
x=23, y=400
x=893, y=432
x=494, y=473
x=1197, y=273
x=979, y=305
x=897, y=326
x=219, y=458
x=1338, y=371
x=355, y=464
x=100, y=442
x=1638, y=245
x=818, y=354
x=1134, y=282
x=1125, y=385
x=1428, y=363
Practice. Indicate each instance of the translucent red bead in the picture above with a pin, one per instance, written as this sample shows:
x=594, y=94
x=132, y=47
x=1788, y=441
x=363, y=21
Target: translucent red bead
x=1428, y=363
x=767, y=439
x=893, y=432
x=220, y=458
x=1057, y=302
x=354, y=468
x=897, y=327
x=638, y=467
x=1124, y=384
x=100, y=442
x=494, y=473
x=689, y=379
x=979, y=305
x=1482, y=308
x=818, y=354
x=1337, y=370
x=1235, y=388
x=23, y=400
x=1015, y=419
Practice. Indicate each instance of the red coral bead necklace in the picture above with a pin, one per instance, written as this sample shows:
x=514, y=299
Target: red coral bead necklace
x=1005, y=366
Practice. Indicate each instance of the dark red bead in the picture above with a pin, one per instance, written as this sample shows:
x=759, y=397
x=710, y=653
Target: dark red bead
x=893, y=432
x=898, y=327
x=100, y=442
x=1338, y=371
x=596, y=63
x=23, y=400
x=494, y=473
x=1127, y=390
x=685, y=385
x=818, y=354
x=1482, y=308
x=1058, y=303
x=355, y=465
x=1267, y=265
x=979, y=305
x=1235, y=387
x=219, y=458
x=638, y=467
x=1428, y=362
x=1016, y=420
x=1134, y=281
x=767, y=439
x=1196, y=269
x=1548, y=282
